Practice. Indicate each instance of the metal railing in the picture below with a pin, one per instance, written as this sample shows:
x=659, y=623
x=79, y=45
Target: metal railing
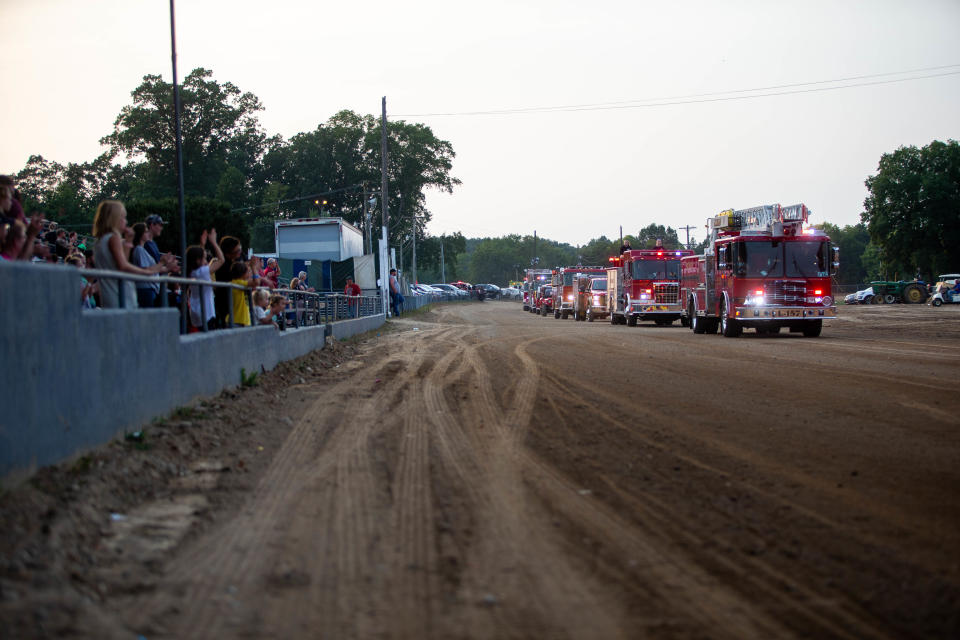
x=303, y=309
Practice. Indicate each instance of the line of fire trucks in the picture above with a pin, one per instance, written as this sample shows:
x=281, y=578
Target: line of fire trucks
x=763, y=268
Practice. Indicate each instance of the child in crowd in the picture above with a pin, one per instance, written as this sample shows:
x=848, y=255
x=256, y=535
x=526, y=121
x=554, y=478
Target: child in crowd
x=277, y=306
x=242, y=275
x=197, y=267
x=267, y=308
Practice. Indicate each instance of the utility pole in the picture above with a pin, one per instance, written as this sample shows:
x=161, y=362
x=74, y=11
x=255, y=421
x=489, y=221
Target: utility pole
x=413, y=219
x=366, y=220
x=535, y=261
x=687, y=229
x=443, y=269
x=384, y=206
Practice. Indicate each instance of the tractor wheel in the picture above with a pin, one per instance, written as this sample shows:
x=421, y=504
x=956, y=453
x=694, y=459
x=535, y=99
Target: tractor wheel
x=914, y=294
x=937, y=302
x=729, y=326
x=812, y=329
x=889, y=298
x=877, y=299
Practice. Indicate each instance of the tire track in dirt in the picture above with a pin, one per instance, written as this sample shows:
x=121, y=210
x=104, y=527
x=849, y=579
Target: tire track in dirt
x=355, y=539
x=670, y=523
x=558, y=587
x=219, y=568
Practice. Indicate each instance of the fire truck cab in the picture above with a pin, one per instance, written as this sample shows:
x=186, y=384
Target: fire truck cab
x=565, y=288
x=763, y=268
x=644, y=284
x=532, y=279
x=590, y=299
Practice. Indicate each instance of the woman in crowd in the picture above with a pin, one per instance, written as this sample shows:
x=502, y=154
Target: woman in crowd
x=202, y=309
x=147, y=292
x=109, y=225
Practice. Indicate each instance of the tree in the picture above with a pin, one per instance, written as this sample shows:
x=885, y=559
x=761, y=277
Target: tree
x=219, y=130
x=912, y=211
x=647, y=237
x=344, y=153
x=852, y=241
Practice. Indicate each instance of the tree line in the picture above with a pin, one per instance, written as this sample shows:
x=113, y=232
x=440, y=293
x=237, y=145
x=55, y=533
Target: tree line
x=238, y=175
x=241, y=179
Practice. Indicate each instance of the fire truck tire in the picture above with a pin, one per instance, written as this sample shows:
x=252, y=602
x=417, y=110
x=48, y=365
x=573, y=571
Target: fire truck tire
x=631, y=321
x=590, y=317
x=712, y=325
x=556, y=314
x=698, y=324
x=729, y=326
x=812, y=329
x=684, y=321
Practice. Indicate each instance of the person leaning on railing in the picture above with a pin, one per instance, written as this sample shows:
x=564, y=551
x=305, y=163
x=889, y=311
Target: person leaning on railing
x=109, y=225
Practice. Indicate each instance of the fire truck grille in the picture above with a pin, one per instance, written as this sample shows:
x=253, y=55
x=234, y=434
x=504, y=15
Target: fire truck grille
x=666, y=293
x=786, y=292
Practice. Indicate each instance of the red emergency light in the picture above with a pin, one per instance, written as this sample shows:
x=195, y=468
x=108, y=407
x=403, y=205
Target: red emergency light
x=818, y=292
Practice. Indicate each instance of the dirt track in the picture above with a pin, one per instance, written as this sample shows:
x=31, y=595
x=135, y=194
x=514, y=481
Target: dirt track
x=482, y=472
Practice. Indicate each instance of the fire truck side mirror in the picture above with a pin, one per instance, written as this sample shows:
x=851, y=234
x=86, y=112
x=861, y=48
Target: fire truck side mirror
x=722, y=258
x=835, y=259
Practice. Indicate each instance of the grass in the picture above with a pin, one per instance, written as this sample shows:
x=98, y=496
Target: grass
x=248, y=379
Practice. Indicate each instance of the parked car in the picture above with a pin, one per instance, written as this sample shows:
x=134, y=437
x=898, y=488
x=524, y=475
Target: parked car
x=511, y=293
x=493, y=291
x=449, y=289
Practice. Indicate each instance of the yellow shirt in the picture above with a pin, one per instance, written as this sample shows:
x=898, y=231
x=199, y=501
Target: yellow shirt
x=241, y=310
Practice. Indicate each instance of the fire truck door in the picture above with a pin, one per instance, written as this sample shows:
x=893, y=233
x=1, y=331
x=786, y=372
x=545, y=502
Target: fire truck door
x=710, y=277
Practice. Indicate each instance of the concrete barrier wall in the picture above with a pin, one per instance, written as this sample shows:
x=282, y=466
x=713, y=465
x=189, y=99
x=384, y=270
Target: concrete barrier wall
x=72, y=379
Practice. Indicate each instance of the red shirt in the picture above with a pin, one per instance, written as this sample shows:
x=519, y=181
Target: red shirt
x=352, y=289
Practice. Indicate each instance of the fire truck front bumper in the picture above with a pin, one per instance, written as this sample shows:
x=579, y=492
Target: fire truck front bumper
x=768, y=313
x=654, y=309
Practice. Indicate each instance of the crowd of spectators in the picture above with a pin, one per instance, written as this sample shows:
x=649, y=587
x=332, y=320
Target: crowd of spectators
x=116, y=246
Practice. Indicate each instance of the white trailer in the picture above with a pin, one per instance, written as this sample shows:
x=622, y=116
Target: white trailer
x=317, y=239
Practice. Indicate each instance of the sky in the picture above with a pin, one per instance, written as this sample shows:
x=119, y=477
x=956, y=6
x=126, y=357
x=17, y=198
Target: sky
x=690, y=113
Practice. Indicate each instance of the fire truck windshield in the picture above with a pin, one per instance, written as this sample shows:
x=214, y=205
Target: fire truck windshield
x=759, y=259
x=655, y=270
x=806, y=259
x=598, y=284
x=776, y=259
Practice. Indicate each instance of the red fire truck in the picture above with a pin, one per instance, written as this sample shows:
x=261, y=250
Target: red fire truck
x=532, y=279
x=763, y=268
x=565, y=289
x=644, y=284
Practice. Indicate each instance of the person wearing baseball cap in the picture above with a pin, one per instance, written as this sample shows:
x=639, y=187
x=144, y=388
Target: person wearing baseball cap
x=155, y=226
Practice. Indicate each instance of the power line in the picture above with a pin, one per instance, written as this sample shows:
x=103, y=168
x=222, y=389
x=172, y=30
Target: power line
x=709, y=97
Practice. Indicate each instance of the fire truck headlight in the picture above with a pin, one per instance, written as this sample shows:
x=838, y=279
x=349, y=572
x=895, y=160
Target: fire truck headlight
x=755, y=301
x=596, y=299
x=570, y=297
x=644, y=296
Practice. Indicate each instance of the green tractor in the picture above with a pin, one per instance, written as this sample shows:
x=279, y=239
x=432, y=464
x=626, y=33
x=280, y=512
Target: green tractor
x=887, y=292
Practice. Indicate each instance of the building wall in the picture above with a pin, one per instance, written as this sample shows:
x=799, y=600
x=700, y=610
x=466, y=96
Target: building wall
x=72, y=379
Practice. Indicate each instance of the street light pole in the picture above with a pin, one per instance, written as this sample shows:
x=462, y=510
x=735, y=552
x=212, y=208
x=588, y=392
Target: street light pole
x=179, y=144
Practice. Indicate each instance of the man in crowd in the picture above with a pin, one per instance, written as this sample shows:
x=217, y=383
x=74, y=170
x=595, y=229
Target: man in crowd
x=155, y=226
x=353, y=291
